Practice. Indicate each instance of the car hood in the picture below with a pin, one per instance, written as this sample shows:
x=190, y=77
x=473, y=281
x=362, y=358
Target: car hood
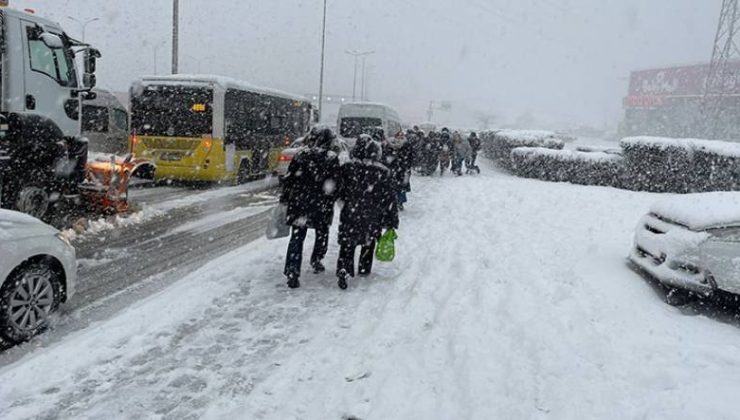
x=14, y=225
x=701, y=211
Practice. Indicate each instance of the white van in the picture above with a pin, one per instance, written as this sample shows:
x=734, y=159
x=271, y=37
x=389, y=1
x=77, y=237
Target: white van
x=105, y=124
x=360, y=117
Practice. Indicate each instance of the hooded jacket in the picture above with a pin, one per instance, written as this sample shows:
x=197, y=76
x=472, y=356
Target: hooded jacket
x=310, y=186
x=367, y=190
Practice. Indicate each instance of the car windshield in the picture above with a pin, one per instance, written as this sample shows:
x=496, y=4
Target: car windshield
x=509, y=209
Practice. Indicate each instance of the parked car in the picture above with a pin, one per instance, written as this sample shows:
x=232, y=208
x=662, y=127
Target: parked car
x=692, y=242
x=38, y=271
x=340, y=147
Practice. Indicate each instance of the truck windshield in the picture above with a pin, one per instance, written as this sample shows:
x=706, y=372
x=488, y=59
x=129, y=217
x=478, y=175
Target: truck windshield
x=172, y=111
x=354, y=126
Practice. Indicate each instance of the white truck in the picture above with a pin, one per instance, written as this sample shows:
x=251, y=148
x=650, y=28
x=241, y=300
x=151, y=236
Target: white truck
x=43, y=156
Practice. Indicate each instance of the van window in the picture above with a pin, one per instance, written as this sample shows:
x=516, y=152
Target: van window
x=120, y=116
x=95, y=119
x=354, y=126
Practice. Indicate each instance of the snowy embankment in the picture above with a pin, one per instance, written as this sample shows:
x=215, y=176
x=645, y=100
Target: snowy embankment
x=509, y=298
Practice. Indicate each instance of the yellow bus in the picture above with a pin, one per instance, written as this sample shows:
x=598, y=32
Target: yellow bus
x=211, y=128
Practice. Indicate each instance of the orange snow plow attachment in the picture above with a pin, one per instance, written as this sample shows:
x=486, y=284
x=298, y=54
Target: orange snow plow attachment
x=105, y=189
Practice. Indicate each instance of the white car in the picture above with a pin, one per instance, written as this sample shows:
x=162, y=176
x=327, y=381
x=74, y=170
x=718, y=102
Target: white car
x=692, y=242
x=340, y=147
x=38, y=271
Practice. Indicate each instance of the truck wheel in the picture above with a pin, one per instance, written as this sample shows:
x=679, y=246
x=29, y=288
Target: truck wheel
x=33, y=201
x=27, y=298
x=243, y=174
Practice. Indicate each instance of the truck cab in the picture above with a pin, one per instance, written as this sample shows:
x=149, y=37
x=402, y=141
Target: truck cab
x=42, y=152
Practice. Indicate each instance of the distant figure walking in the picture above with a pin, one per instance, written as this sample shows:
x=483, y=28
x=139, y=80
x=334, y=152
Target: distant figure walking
x=462, y=152
x=309, y=191
x=475, y=146
x=445, y=151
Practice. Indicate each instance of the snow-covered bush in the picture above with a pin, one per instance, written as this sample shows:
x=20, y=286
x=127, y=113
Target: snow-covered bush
x=681, y=165
x=498, y=145
x=587, y=168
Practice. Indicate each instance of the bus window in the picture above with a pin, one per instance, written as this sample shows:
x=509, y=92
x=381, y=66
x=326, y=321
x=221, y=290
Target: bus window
x=173, y=111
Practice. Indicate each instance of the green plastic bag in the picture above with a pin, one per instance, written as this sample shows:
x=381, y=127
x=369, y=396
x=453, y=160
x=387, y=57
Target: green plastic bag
x=386, y=250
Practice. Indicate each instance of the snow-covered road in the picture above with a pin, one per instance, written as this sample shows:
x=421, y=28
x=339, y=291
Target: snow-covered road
x=509, y=298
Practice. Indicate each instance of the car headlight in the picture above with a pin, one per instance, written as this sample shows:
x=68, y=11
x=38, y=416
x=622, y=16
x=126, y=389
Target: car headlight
x=64, y=239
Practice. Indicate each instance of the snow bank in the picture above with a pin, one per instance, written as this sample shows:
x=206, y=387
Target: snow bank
x=701, y=211
x=498, y=145
x=587, y=168
x=681, y=165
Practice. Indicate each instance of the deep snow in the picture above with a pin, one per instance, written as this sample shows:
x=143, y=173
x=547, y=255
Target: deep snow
x=509, y=298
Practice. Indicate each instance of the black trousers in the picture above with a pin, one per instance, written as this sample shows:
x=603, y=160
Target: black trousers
x=347, y=258
x=294, y=259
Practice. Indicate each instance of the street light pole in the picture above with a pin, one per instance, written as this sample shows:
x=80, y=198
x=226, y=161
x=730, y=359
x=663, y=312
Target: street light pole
x=155, y=59
x=323, y=48
x=83, y=24
x=357, y=54
x=175, y=34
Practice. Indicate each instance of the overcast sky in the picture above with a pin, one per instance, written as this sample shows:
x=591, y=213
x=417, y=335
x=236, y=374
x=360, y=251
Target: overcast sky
x=561, y=60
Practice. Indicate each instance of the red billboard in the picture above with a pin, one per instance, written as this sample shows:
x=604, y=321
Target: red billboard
x=652, y=88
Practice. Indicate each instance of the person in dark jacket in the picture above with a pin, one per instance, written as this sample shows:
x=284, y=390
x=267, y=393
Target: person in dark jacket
x=475, y=145
x=398, y=157
x=309, y=191
x=430, y=154
x=368, y=194
x=445, y=151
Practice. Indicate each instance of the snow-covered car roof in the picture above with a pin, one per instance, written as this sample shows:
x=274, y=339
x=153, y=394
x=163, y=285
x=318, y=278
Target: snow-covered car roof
x=701, y=211
x=222, y=81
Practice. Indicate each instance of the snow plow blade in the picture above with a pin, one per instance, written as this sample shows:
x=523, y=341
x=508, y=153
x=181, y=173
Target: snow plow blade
x=105, y=189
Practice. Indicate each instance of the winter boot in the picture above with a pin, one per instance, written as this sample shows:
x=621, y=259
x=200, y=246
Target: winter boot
x=318, y=267
x=293, y=282
x=343, y=276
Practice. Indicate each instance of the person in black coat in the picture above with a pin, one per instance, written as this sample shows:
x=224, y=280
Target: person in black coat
x=368, y=192
x=430, y=154
x=475, y=145
x=309, y=191
x=398, y=157
x=445, y=150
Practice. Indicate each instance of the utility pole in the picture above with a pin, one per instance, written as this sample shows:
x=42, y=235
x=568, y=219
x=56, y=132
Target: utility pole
x=721, y=75
x=364, y=78
x=357, y=54
x=175, y=34
x=321, y=77
x=83, y=24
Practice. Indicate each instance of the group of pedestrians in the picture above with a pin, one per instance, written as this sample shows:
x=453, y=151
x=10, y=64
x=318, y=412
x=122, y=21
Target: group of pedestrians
x=369, y=186
x=446, y=151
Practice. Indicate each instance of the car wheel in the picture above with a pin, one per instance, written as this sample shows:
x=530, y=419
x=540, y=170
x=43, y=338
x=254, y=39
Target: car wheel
x=28, y=297
x=243, y=175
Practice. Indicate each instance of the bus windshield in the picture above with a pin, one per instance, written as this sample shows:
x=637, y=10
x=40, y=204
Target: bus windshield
x=173, y=111
x=354, y=126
